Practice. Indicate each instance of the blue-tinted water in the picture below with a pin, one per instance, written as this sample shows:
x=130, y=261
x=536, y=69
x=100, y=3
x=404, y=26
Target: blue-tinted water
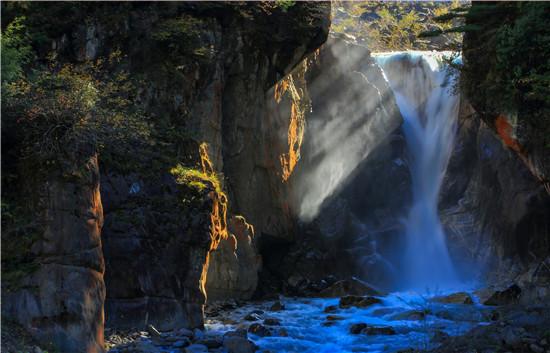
x=303, y=320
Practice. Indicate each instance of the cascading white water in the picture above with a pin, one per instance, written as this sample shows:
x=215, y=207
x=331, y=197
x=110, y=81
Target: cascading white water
x=421, y=85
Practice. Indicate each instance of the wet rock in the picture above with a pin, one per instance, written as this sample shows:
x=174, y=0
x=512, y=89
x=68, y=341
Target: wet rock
x=455, y=298
x=238, y=344
x=234, y=265
x=410, y=315
x=511, y=336
x=252, y=317
x=331, y=309
x=378, y=330
x=259, y=330
x=535, y=348
x=508, y=296
x=237, y=333
x=360, y=302
x=357, y=328
x=328, y=323
x=348, y=287
x=143, y=347
x=334, y=318
x=283, y=332
x=196, y=348
x=440, y=336
x=182, y=342
x=153, y=332
x=198, y=334
x=185, y=332
x=272, y=322
x=210, y=342
x=277, y=306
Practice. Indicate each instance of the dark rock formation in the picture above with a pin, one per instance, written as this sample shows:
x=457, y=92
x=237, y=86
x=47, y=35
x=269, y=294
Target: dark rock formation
x=61, y=303
x=234, y=265
x=494, y=209
x=349, y=97
x=204, y=71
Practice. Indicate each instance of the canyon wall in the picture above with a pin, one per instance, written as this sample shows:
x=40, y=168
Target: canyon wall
x=349, y=150
x=202, y=73
x=495, y=210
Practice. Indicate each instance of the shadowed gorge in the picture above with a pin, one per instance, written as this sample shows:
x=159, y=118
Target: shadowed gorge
x=275, y=177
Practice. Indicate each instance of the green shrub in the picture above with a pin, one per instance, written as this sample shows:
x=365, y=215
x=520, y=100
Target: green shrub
x=196, y=178
x=16, y=50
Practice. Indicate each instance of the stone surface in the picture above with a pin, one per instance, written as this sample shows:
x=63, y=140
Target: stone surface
x=455, y=298
x=61, y=303
x=337, y=242
x=507, y=296
x=234, y=265
x=494, y=210
x=357, y=301
x=259, y=330
x=348, y=287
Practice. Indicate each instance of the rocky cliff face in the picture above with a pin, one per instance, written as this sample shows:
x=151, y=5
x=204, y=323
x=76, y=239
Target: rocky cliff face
x=495, y=210
x=204, y=71
x=495, y=201
x=61, y=301
x=353, y=115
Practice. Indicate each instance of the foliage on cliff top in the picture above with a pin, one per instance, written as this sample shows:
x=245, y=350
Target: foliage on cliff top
x=196, y=178
x=55, y=107
x=387, y=26
x=507, y=63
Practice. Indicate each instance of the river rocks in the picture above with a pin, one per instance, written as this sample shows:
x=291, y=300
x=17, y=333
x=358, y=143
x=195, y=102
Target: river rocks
x=357, y=301
x=378, y=330
x=237, y=342
x=348, y=287
x=277, y=306
x=455, y=298
x=505, y=297
x=252, y=317
x=357, y=328
x=411, y=315
x=210, y=342
x=330, y=309
x=371, y=330
x=196, y=348
x=259, y=330
x=272, y=322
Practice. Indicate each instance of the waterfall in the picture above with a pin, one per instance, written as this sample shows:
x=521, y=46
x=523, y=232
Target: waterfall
x=421, y=85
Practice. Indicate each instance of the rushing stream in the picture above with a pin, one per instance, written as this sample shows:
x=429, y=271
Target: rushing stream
x=417, y=322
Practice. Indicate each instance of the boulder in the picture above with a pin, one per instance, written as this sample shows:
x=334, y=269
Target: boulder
x=277, y=306
x=272, y=322
x=238, y=344
x=348, y=287
x=410, y=315
x=357, y=301
x=455, y=298
x=196, y=348
x=378, y=330
x=505, y=297
x=259, y=330
x=357, y=328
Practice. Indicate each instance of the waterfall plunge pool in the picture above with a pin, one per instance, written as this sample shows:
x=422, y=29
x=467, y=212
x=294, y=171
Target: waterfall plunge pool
x=418, y=321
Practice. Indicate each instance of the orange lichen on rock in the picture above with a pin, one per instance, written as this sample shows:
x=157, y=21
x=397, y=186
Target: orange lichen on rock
x=300, y=103
x=295, y=136
x=506, y=132
x=218, y=216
